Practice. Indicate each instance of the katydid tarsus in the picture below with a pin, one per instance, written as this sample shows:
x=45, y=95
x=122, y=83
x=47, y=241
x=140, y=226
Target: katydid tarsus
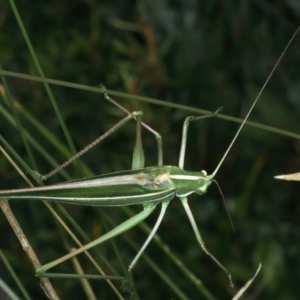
x=146, y=186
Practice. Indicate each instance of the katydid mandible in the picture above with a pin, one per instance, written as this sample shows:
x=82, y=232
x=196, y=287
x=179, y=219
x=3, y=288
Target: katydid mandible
x=146, y=186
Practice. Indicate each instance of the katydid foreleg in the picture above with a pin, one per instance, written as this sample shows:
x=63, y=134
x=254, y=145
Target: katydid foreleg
x=188, y=211
x=183, y=197
x=184, y=134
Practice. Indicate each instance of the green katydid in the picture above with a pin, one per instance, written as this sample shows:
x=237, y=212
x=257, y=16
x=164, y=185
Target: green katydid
x=146, y=186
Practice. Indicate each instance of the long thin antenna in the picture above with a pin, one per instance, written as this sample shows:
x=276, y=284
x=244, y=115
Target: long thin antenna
x=249, y=112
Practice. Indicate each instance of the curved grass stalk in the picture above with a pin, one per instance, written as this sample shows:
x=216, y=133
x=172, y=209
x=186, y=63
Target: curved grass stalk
x=194, y=110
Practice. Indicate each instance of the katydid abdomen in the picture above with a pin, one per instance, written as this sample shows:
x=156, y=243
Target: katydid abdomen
x=115, y=189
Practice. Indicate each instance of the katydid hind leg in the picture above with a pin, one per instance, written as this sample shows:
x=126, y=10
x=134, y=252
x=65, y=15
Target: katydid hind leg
x=111, y=234
x=94, y=143
x=138, y=156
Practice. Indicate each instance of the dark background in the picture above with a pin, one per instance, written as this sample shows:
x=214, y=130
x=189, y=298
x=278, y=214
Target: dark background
x=204, y=54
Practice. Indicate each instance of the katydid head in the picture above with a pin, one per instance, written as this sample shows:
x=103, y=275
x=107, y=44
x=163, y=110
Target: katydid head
x=187, y=182
x=204, y=182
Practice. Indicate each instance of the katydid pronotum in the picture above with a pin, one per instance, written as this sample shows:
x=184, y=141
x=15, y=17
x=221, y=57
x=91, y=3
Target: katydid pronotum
x=147, y=186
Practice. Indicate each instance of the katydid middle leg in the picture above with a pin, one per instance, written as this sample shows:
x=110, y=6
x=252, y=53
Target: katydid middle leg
x=113, y=233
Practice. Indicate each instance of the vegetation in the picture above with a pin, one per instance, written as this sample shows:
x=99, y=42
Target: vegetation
x=203, y=55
